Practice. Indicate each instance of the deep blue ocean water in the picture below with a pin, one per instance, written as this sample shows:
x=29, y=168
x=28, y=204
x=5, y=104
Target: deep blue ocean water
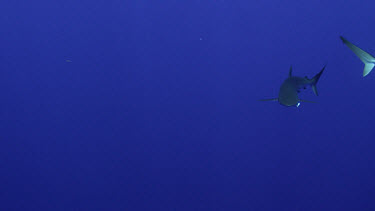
x=153, y=105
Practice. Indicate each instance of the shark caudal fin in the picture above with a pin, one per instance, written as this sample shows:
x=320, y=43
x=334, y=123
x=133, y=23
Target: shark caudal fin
x=315, y=80
x=365, y=57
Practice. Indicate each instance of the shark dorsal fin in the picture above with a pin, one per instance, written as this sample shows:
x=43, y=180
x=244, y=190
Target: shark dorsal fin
x=290, y=71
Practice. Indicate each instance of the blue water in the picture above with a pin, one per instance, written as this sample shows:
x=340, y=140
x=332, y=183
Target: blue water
x=153, y=105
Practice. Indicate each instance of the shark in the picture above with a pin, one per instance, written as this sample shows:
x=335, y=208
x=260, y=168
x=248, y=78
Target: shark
x=365, y=57
x=289, y=89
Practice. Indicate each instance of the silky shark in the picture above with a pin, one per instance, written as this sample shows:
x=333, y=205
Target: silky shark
x=288, y=94
x=365, y=57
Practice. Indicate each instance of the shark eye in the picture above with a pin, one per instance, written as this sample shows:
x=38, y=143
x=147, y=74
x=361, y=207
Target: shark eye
x=298, y=104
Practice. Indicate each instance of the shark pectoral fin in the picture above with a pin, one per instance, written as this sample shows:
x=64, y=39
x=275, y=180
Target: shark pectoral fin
x=368, y=68
x=306, y=101
x=365, y=57
x=271, y=99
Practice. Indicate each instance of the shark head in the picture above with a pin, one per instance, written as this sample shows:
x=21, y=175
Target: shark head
x=288, y=93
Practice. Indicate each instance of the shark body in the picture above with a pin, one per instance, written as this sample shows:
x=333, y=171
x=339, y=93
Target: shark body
x=289, y=89
x=365, y=57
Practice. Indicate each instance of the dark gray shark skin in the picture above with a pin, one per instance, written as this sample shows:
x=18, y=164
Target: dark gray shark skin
x=365, y=57
x=289, y=89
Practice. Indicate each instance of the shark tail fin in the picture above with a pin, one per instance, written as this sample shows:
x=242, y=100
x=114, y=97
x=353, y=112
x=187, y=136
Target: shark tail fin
x=365, y=57
x=315, y=80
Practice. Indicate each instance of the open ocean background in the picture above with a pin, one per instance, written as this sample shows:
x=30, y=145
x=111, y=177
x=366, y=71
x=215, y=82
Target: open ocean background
x=153, y=105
